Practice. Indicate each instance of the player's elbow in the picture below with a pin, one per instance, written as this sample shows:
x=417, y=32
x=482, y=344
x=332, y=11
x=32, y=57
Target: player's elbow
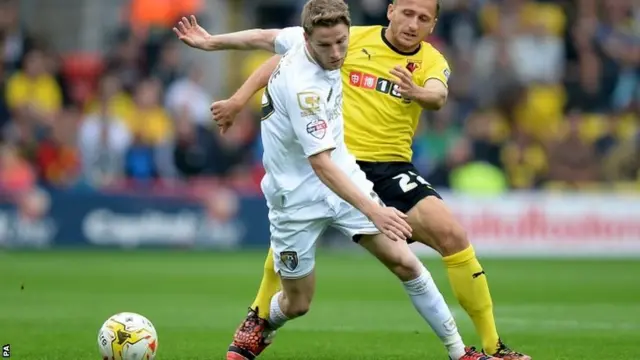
x=437, y=101
x=441, y=100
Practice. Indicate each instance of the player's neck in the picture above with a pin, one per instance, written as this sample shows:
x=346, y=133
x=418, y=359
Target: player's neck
x=395, y=46
x=309, y=53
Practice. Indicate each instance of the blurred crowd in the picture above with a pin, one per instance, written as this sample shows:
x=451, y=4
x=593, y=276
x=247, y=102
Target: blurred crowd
x=132, y=118
x=544, y=94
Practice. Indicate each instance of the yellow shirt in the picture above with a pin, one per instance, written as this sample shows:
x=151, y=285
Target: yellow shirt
x=152, y=126
x=42, y=92
x=379, y=124
x=120, y=105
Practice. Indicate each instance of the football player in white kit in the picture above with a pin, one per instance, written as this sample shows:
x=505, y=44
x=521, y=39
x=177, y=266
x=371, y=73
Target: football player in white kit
x=312, y=182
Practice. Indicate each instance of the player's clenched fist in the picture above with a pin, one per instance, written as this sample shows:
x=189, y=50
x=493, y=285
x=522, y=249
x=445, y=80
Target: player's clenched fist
x=192, y=34
x=391, y=223
x=224, y=112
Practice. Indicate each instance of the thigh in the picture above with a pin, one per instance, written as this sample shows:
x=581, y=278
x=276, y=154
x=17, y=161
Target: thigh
x=294, y=233
x=349, y=220
x=398, y=184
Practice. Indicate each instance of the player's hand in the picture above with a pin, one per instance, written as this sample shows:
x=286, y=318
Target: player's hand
x=192, y=34
x=391, y=223
x=224, y=113
x=404, y=80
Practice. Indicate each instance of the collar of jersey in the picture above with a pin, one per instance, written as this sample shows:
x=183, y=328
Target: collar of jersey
x=395, y=49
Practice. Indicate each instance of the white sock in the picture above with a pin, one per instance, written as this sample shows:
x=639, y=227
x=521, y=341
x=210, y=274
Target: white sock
x=430, y=303
x=276, y=317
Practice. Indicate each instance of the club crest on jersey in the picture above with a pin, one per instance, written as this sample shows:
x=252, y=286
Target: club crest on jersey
x=289, y=259
x=413, y=65
x=309, y=103
x=446, y=72
x=317, y=128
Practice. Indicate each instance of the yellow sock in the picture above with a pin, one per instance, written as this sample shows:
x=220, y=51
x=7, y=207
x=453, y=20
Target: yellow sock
x=470, y=286
x=269, y=286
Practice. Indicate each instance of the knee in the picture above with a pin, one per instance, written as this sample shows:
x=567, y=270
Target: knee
x=450, y=238
x=405, y=266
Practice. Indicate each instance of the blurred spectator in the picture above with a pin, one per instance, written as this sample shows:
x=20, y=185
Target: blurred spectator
x=234, y=148
x=187, y=98
x=33, y=95
x=5, y=115
x=194, y=150
x=14, y=41
x=57, y=158
x=573, y=161
x=103, y=137
x=168, y=69
x=433, y=140
x=152, y=130
x=623, y=162
x=459, y=153
x=524, y=160
x=126, y=61
x=150, y=121
x=16, y=175
x=119, y=103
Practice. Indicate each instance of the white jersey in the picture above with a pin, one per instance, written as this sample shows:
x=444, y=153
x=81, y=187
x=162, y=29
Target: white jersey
x=302, y=108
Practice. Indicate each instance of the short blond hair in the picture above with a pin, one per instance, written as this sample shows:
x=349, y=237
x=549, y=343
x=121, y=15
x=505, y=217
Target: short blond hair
x=326, y=13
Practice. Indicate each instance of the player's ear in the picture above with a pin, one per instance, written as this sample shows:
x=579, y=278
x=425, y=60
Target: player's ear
x=390, y=11
x=433, y=27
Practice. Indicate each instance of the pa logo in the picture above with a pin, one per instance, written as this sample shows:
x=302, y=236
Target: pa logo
x=6, y=351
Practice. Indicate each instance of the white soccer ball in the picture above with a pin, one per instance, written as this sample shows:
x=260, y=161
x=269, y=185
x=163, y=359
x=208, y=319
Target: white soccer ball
x=128, y=336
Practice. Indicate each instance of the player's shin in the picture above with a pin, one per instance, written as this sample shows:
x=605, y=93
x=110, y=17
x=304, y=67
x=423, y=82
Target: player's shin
x=470, y=286
x=430, y=303
x=269, y=285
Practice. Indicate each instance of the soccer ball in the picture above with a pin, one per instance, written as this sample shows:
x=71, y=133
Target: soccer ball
x=127, y=336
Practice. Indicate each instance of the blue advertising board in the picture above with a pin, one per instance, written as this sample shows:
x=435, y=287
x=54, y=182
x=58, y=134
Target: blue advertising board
x=42, y=219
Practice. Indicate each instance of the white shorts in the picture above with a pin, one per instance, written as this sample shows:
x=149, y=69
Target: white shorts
x=294, y=231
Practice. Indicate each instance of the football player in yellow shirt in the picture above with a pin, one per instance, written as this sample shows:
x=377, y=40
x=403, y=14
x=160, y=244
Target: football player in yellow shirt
x=390, y=75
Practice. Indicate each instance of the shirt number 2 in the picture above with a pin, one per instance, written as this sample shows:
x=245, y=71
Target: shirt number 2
x=409, y=181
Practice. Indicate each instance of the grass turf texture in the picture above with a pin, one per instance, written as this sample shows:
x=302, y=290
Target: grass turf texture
x=551, y=309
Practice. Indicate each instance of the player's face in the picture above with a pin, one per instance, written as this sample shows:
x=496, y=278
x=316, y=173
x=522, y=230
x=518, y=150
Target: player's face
x=411, y=21
x=328, y=45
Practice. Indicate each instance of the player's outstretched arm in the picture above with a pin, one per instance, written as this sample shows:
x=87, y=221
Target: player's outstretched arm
x=194, y=35
x=224, y=112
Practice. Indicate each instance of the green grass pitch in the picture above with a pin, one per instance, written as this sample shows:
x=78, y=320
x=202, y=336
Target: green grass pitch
x=551, y=309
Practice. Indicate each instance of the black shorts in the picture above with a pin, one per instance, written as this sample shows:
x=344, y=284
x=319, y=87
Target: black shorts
x=398, y=184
